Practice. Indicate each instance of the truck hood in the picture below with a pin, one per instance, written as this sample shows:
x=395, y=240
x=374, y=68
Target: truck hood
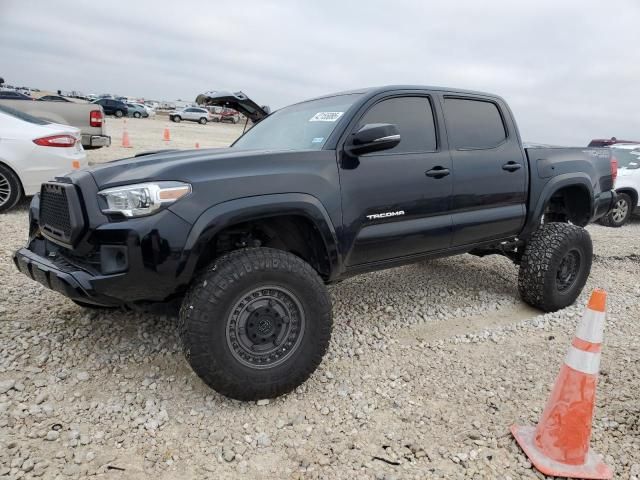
x=191, y=166
x=238, y=101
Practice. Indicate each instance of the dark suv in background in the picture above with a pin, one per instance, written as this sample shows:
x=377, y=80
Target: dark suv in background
x=113, y=107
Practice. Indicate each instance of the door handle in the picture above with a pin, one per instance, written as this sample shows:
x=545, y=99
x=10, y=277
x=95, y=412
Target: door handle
x=511, y=166
x=437, y=172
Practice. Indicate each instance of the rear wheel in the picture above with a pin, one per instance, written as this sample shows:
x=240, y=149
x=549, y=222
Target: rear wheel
x=202, y=121
x=621, y=212
x=119, y=113
x=555, y=266
x=256, y=324
x=137, y=114
x=10, y=189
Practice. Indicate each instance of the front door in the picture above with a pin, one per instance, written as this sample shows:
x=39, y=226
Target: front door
x=396, y=202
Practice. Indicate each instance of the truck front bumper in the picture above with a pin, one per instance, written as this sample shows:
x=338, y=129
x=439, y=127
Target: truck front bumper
x=96, y=141
x=73, y=283
x=124, y=263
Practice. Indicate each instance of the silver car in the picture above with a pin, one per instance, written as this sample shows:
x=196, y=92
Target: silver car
x=193, y=114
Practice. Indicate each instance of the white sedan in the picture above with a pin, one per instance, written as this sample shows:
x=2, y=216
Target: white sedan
x=33, y=151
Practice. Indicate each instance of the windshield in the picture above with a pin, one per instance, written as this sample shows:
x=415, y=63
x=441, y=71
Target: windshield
x=626, y=155
x=22, y=116
x=303, y=126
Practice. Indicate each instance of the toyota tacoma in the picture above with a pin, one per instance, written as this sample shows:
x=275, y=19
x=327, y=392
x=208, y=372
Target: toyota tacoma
x=246, y=238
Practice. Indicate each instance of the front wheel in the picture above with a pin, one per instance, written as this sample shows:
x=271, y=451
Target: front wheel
x=176, y=119
x=10, y=189
x=555, y=266
x=256, y=323
x=119, y=113
x=621, y=212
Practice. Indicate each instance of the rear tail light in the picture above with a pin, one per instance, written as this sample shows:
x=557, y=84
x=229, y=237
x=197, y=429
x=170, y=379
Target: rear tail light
x=56, y=141
x=95, y=118
x=614, y=169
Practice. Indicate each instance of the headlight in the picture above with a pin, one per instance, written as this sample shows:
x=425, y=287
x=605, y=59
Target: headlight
x=142, y=198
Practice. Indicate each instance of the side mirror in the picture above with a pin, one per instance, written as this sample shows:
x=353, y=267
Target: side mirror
x=373, y=137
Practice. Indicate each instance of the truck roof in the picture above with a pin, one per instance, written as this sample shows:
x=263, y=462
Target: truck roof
x=372, y=91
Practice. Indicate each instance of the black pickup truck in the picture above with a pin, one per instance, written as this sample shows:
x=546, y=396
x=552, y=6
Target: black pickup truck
x=247, y=237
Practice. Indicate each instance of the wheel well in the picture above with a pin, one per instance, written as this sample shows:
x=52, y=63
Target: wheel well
x=569, y=204
x=291, y=233
x=632, y=193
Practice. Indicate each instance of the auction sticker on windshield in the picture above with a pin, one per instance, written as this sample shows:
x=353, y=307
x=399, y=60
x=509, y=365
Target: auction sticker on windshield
x=326, y=117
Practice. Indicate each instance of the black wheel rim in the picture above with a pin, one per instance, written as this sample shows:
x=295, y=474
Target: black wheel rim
x=265, y=327
x=568, y=270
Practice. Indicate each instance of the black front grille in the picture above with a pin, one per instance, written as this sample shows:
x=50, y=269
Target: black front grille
x=54, y=211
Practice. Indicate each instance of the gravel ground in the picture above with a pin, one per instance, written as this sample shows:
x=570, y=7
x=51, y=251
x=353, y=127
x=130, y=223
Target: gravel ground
x=428, y=367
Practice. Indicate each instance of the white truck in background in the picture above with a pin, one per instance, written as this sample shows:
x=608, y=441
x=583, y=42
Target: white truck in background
x=88, y=117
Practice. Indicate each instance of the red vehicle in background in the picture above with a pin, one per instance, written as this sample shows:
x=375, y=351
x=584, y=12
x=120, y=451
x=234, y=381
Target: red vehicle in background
x=229, y=115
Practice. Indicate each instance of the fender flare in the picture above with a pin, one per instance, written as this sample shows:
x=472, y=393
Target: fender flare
x=629, y=190
x=556, y=183
x=218, y=217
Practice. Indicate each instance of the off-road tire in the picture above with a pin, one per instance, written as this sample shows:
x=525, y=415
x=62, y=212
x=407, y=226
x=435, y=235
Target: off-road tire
x=541, y=282
x=614, y=220
x=11, y=189
x=202, y=121
x=210, y=309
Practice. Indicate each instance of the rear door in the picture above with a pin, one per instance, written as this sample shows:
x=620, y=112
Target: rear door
x=489, y=170
x=187, y=114
x=394, y=203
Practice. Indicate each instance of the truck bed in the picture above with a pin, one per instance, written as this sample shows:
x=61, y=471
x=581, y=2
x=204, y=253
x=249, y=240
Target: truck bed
x=550, y=168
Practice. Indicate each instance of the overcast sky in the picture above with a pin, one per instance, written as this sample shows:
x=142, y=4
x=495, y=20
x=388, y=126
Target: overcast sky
x=570, y=69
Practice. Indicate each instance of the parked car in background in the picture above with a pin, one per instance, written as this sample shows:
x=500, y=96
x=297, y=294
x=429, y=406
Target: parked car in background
x=192, y=114
x=136, y=111
x=33, y=151
x=88, y=117
x=13, y=95
x=150, y=110
x=229, y=115
x=605, y=142
x=112, y=107
x=53, y=98
x=627, y=185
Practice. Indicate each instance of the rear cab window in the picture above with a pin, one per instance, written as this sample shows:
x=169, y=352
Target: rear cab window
x=473, y=124
x=413, y=116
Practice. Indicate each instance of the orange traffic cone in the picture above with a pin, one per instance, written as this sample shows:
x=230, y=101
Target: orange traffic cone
x=125, y=139
x=559, y=445
x=197, y=145
x=166, y=135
